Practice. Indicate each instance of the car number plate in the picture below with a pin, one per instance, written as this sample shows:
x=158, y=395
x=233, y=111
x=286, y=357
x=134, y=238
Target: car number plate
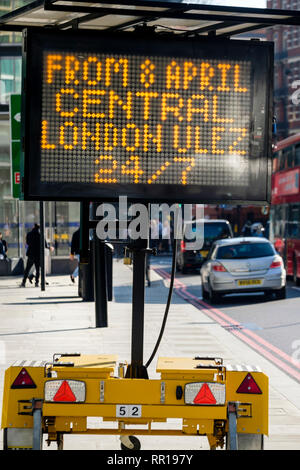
x=204, y=253
x=250, y=282
x=128, y=411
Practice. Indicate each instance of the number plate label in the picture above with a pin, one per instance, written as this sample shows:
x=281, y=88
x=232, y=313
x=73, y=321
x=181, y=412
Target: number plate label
x=250, y=282
x=128, y=411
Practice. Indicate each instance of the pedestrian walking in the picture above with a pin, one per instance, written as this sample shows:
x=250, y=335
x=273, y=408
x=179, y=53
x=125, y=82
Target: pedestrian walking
x=246, y=230
x=154, y=233
x=257, y=229
x=3, y=247
x=75, y=249
x=32, y=274
x=33, y=254
x=166, y=235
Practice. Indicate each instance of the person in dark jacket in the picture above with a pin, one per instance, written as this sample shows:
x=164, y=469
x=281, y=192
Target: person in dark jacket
x=3, y=247
x=33, y=254
x=75, y=249
x=246, y=230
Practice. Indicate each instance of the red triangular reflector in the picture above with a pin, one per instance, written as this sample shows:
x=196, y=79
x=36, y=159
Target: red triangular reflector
x=204, y=396
x=249, y=386
x=64, y=393
x=23, y=380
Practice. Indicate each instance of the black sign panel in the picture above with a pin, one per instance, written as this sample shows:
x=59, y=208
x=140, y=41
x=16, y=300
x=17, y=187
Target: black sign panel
x=156, y=118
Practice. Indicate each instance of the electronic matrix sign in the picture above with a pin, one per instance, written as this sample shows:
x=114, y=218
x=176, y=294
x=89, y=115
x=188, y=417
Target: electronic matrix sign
x=154, y=118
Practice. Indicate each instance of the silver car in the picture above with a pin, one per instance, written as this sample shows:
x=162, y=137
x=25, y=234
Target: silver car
x=241, y=265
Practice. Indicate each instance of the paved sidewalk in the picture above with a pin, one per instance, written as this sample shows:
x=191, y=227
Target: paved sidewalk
x=34, y=325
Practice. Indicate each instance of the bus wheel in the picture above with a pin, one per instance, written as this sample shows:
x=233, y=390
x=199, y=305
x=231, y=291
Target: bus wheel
x=295, y=269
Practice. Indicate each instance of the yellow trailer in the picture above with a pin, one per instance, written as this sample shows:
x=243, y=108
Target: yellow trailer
x=228, y=404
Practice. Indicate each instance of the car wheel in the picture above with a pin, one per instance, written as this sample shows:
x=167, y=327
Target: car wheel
x=205, y=294
x=268, y=295
x=184, y=270
x=295, y=268
x=281, y=293
x=214, y=297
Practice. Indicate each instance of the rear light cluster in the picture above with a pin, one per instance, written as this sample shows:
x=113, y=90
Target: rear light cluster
x=219, y=268
x=196, y=393
x=65, y=391
x=182, y=246
x=212, y=393
x=276, y=263
x=204, y=393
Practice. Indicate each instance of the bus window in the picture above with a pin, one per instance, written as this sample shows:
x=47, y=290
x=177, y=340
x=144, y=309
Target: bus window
x=281, y=160
x=288, y=158
x=276, y=161
x=293, y=230
x=294, y=221
x=297, y=155
x=279, y=221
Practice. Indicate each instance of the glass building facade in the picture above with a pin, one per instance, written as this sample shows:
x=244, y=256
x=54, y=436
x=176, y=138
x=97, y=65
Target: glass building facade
x=17, y=217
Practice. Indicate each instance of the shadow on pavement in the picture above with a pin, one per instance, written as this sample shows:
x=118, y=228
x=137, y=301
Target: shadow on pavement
x=20, y=333
x=155, y=294
x=44, y=303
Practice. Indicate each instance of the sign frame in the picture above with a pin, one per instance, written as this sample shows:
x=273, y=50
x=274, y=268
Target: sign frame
x=261, y=56
x=15, y=143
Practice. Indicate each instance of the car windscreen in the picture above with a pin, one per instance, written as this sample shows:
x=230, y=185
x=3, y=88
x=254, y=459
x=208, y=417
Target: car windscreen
x=212, y=231
x=245, y=250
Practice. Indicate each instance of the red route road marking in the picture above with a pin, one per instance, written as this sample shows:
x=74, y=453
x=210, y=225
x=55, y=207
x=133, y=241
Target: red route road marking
x=225, y=320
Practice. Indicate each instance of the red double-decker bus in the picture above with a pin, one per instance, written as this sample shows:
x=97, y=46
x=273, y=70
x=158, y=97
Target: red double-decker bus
x=285, y=208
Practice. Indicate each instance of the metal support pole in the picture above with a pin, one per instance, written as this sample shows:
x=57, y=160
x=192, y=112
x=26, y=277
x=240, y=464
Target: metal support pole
x=138, y=296
x=42, y=245
x=55, y=228
x=109, y=249
x=100, y=293
x=37, y=424
x=238, y=211
x=85, y=284
x=84, y=231
x=136, y=369
x=232, y=410
x=18, y=216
